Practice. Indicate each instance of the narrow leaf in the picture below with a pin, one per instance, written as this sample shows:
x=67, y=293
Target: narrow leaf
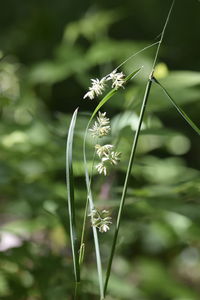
x=178, y=108
x=70, y=196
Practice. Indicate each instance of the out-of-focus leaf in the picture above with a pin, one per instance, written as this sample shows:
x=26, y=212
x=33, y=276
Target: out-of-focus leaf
x=181, y=79
x=91, y=25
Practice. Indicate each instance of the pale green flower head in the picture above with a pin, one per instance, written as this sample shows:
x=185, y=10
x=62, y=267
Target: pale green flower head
x=97, y=88
x=101, y=219
x=98, y=85
x=103, y=150
x=118, y=79
x=108, y=157
x=101, y=127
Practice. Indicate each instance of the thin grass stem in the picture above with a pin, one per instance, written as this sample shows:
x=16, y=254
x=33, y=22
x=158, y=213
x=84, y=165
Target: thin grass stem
x=132, y=155
x=82, y=247
x=133, y=150
x=162, y=34
x=91, y=206
x=138, y=52
x=76, y=290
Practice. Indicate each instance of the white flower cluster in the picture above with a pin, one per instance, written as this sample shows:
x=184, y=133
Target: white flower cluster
x=101, y=219
x=98, y=86
x=117, y=79
x=101, y=127
x=108, y=157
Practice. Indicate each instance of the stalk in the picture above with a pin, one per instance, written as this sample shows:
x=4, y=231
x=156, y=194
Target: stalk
x=130, y=164
x=91, y=206
x=132, y=155
x=82, y=244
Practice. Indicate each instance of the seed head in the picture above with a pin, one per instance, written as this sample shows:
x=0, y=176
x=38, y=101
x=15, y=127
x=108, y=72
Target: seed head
x=101, y=127
x=113, y=157
x=97, y=88
x=101, y=168
x=108, y=157
x=101, y=219
x=103, y=150
x=118, y=79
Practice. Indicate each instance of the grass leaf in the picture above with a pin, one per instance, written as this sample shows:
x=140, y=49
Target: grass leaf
x=178, y=108
x=70, y=196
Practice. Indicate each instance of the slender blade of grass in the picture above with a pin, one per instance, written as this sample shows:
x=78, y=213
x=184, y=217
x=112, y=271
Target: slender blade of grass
x=70, y=197
x=135, y=54
x=178, y=108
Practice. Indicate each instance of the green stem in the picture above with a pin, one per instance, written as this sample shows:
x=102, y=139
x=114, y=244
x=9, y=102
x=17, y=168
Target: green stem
x=82, y=247
x=91, y=206
x=133, y=150
x=76, y=290
x=134, y=146
x=82, y=244
x=162, y=34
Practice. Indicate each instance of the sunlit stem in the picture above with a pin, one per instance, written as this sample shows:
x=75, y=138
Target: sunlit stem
x=133, y=150
x=130, y=164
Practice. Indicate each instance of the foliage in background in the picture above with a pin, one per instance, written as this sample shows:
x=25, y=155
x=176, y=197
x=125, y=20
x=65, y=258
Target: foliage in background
x=158, y=254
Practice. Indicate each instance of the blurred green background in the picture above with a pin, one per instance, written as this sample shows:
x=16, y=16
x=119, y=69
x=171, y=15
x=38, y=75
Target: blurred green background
x=49, y=50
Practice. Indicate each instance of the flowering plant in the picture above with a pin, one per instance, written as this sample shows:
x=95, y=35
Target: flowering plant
x=100, y=219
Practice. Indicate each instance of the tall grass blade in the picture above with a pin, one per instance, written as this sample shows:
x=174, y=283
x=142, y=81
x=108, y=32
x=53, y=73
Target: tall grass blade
x=70, y=197
x=178, y=108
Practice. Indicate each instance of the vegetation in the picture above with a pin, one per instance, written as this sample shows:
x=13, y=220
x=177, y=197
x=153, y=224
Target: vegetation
x=49, y=52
